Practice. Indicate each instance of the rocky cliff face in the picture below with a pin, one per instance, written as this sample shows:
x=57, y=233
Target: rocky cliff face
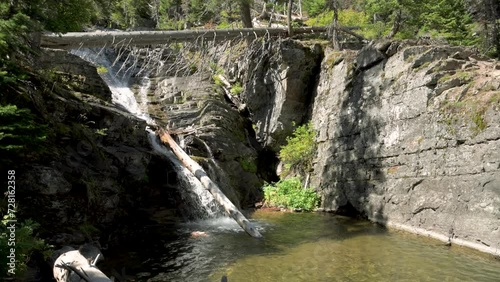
x=280, y=83
x=409, y=136
x=97, y=168
x=210, y=129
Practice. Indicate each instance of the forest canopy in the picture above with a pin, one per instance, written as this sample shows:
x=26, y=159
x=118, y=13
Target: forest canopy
x=460, y=22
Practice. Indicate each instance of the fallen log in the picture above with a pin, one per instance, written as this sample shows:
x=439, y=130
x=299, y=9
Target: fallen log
x=74, y=266
x=350, y=32
x=198, y=171
x=73, y=40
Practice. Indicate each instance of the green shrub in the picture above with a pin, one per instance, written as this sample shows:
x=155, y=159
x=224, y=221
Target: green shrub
x=19, y=133
x=314, y=7
x=237, y=89
x=248, y=165
x=322, y=19
x=102, y=69
x=300, y=148
x=217, y=80
x=289, y=193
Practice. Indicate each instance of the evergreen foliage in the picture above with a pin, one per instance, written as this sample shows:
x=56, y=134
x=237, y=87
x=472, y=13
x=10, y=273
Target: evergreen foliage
x=463, y=22
x=314, y=7
x=450, y=20
x=13, y=44
x=19, y=133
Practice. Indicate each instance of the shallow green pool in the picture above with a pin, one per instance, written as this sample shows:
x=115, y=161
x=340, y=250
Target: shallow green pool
x=303, y=247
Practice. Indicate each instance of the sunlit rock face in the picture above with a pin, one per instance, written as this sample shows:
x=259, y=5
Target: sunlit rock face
x=410, y=136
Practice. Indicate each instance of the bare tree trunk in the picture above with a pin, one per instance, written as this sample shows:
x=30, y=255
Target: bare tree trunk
x=335, y=35
x=271, y=17
x=290, y=28
x=396, y=25
x=306, y=183
x=72, y=40
x=154, y=8
x=264, y=14
x=246, y=17
x=198, y=171
x=496, y=27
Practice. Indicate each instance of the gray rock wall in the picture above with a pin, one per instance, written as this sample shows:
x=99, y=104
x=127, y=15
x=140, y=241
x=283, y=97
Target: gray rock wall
x=280, y=79
x=213, y=132
x=410, y=137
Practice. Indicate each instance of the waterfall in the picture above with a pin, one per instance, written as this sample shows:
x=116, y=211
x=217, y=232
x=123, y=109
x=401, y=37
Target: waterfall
x=202, y=203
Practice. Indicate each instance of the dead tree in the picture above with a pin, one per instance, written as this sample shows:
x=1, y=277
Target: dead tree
x=73, y=40
x=290, y=28
x=199, y=173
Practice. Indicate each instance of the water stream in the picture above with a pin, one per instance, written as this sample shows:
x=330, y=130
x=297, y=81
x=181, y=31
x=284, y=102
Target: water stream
x=202, y=204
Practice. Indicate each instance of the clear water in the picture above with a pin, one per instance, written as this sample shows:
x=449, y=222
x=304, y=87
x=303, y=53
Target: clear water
x=300, y=247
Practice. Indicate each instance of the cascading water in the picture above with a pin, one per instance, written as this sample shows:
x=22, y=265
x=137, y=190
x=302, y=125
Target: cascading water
x=192, y=191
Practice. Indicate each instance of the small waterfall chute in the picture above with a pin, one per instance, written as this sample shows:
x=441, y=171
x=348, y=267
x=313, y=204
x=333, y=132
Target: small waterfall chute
x=202, y=204
x=200, y=173
x=123, y=95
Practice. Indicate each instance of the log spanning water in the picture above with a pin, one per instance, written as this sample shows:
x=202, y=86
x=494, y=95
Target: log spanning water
x=198, y=171
x=72, y=40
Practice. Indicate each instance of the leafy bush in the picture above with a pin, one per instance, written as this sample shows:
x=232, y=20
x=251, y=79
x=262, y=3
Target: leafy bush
x=300, y=148
x=237, y=89
x=13, y=48
x=314, y=7
x=322, y=19
x=248, y=164
x=102, y=70
x=289, y=193
x=351, y=18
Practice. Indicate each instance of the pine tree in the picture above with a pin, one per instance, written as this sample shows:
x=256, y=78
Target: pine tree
x=19, y=133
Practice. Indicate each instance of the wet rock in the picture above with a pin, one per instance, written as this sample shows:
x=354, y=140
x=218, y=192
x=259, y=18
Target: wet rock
x=75, y=72
x=47, y=181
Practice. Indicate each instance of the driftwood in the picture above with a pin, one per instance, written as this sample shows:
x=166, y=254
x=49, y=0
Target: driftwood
x=73, y=40
x=74, y=266
x=348, y=31
x=198, y=171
